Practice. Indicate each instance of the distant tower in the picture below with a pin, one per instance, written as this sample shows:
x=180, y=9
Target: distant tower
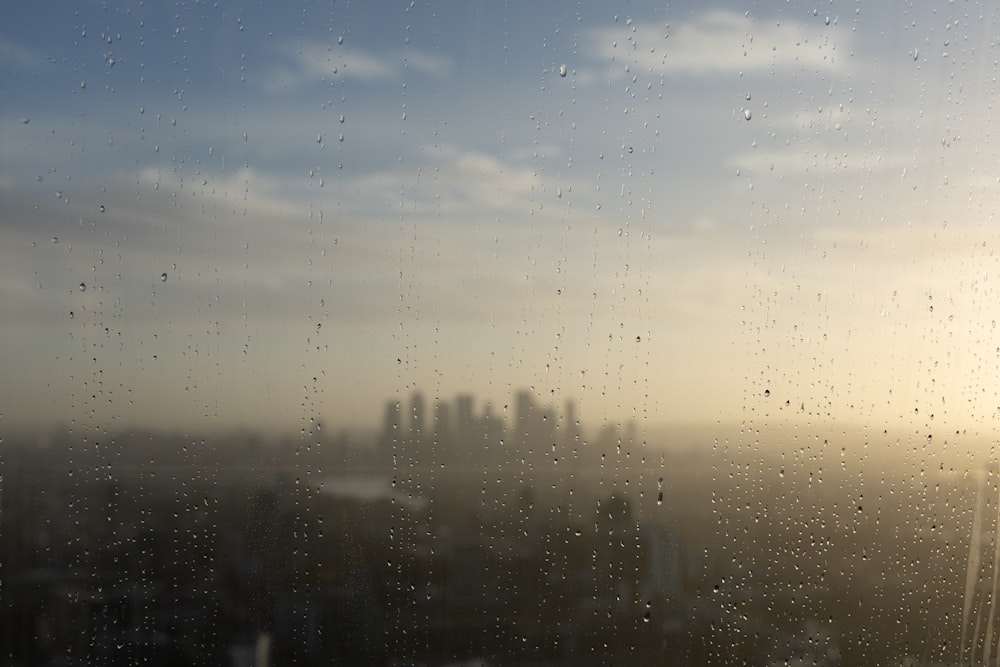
x=525, y=417
x=545, y=422
x=418, y=424
x=443, y=431
x=465, y=430
x=391, y=424
x=492, y=432
x=631, y=433
x=571, y=427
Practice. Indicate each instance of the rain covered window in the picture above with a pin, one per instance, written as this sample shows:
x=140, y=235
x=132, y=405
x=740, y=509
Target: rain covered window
x=494, y=333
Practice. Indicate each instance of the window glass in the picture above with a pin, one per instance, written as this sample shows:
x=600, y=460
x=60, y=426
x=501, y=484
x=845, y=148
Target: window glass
x=487, y=333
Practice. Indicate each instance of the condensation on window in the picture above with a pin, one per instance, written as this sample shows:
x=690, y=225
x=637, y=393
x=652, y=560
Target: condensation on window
x=477, y=333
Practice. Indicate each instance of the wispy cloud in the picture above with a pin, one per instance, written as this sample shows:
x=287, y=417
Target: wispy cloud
x=722, y=42
x=316, y=61
x=14, y=54
x=818, y=160
x=431, y=64
x=456, y=182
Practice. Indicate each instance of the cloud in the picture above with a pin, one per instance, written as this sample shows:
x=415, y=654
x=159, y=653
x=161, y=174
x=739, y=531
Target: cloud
x=20, y=56
x=721, y=42
x=811, y=159
x=527, y=154
x=212, y=236
x=317, y=61
x=431, y=64
x=250, y=241
x=455, y=182
x=813, y=119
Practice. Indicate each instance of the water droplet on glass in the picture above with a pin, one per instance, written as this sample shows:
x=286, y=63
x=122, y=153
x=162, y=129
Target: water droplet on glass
x=83, y=84
x=341, y=119
x=747, y=114
x=340, y=39
x=25, y=120
x=767, y=393
x=163, y=277
x=562, y=70
x=83, y=287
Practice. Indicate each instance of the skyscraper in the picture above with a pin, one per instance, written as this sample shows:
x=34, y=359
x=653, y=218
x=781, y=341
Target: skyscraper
x=391, y=426
x=418, y=429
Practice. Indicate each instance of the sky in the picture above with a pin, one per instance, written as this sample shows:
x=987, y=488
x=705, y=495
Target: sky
x=216, y=215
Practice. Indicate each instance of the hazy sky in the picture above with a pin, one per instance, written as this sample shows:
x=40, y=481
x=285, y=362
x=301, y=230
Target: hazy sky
x=217, y=214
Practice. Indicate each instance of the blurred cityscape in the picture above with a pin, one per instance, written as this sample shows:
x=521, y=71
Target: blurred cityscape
x=461, y=534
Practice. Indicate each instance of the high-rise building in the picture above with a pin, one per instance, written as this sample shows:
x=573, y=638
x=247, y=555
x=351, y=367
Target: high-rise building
x=571, y=431
x=465, y=423
x=443, y=430
x=418, y=417
x=416, y=448
x=391, y=426
x=493, y=433
x=525, y=420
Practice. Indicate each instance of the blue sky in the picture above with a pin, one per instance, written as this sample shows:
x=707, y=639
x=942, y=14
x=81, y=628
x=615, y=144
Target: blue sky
x=291, y=213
